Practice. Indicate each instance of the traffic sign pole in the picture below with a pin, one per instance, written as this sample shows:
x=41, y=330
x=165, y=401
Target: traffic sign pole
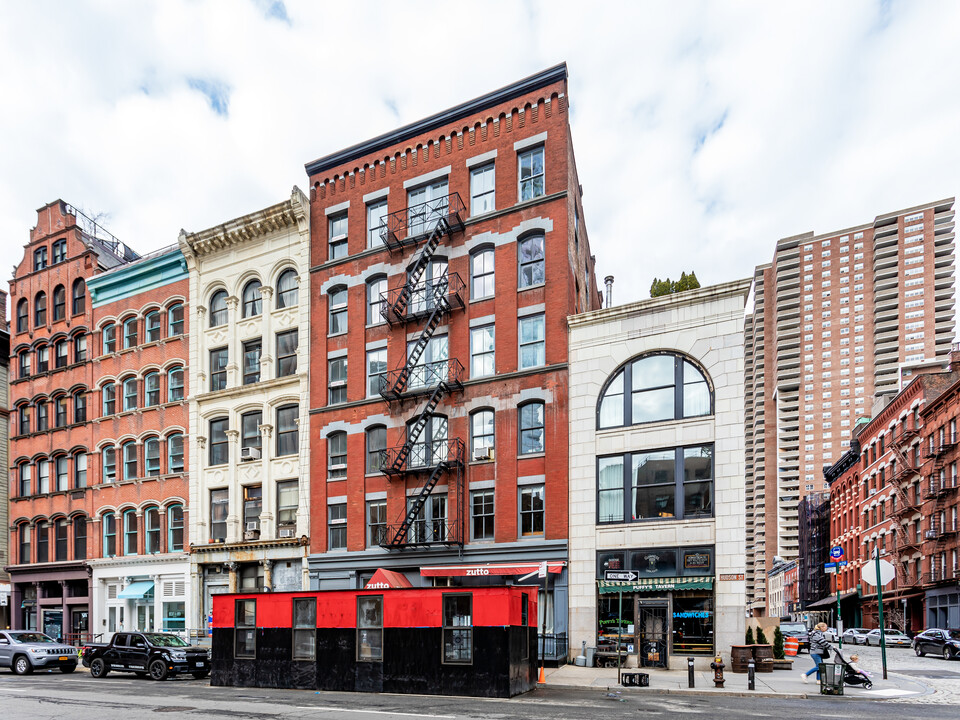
x=883, y=640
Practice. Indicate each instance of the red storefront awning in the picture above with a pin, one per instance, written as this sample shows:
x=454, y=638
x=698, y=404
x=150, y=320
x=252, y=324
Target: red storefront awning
x=482, y=570
x=387, y=580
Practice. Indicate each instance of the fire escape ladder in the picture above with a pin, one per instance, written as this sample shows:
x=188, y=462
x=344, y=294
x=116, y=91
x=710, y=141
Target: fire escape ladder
x=416, y=506
x=413, y=434
x=398, y=307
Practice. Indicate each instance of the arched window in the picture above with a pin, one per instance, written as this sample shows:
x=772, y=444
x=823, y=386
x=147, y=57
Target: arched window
x=43, y=541
x=219, y=449
x=531, y=428
x=337, y=299
x=151, y=389
x=79, y=406
x=24, y=552
x=23, y=315
x=375, y=287
x=60, y=411
x=25, y=473
x=218, y=308
x=79, y=347
x=130, y=394
x=151, y=530
x=60, y=540
x=109, y=394
x=61, y=354
x=482, y=279
x=40, y=309
x=79, y=538
x=108, y=463
x=175, y=383
x=43, y=418
x=175, y=320
x=130, y=332
x=130, y=532
x=79, y=296
x=23, y=419
x=376, y=445
x=151, y=324
x=59, y=248
x=129, y=450
x=288, y=436
x=59, y=303
x=175, y=453
x=151, y=456
x=287, y=289
x=43, y=358
x=252, y=302
x=108, y=335
x=80, y=470
x=174, y=528
x=654, y=388
x=336, y=456
x=531, y=261
x=24, y=363
x=109, y=522
x=481, y=434
x=39, y=259
x=61, y=471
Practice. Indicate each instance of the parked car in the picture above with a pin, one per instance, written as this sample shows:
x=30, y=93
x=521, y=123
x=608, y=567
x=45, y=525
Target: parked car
x=154, y=655
x=25, y=651
x=855, y=636
x=936, y=641
x=831, y=634
x=797, y=630
x=893, y=638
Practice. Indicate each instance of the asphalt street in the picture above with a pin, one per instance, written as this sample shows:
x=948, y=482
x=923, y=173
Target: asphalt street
x=121, y=697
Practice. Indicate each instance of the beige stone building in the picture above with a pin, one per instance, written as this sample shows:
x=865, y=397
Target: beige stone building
x=657, y=476
x=249, y=454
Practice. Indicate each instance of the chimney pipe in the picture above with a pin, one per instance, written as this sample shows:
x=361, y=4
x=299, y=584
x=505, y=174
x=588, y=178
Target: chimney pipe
x=608, y=281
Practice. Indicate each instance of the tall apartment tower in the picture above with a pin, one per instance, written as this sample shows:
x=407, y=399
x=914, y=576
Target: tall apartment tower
x=835, y=318
x=446, y=256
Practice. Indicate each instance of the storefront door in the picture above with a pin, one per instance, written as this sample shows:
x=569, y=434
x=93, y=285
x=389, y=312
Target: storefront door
x=146, y=615
x=80, y=624
x=652, y=632
x=53, y=623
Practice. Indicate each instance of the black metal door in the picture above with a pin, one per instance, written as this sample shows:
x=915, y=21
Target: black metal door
x=651, y=634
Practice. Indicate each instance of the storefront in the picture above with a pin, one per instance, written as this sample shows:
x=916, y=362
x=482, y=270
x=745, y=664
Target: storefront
x=52, y=600
x=655, y=603
x=135, y=593
x=943, y=607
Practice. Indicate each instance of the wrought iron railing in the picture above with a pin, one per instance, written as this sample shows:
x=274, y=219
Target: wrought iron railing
x=435, y=531
x=552, y=646
x=425, y=455
x=402, y=304
x=407, y=226
x=395, y=384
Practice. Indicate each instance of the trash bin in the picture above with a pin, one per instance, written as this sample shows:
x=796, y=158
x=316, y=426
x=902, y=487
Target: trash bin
x=591, y=653
x=831, y=679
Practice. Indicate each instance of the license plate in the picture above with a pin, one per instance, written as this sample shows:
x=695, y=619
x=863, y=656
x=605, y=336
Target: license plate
x=200, y=664
x=63, y=658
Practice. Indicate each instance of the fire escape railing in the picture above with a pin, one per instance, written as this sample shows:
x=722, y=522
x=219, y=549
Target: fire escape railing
x=410, y=225
x=407, y=302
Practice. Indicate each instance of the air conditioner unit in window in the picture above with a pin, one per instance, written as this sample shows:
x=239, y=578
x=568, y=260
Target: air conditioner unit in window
x=484, y=453
x=930, y=534
x=253, y=525
x=251, y=535
x=250, y=453
x=287, y=532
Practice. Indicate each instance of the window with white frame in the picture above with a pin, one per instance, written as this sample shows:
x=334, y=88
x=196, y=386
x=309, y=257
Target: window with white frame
x=336, y=456
x=338, y=235
x=338, y=310
x=337, y=526
x=482, y=278
x=531, y=175
x=376, y=367
x=532, y=341
x=531, y=258
x=375, y=288
x=482, y=434
x=482, y=190
x=376, y=223
x=337, y=380
x=482, y=347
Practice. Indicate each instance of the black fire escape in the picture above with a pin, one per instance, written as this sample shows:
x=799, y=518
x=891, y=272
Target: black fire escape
x=939, y=487
x=427, y=300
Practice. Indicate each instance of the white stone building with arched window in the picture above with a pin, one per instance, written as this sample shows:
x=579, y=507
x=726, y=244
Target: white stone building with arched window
x=657, y=533
x=249, y=446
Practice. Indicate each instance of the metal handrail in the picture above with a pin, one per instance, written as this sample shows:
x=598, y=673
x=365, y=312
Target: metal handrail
x=422, y=378
x=399, y=303
x=415, y=221
x=425, y=455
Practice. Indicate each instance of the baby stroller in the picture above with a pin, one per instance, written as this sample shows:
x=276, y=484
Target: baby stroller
x=851, y=676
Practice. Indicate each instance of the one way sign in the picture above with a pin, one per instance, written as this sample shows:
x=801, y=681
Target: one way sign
x=622, y=575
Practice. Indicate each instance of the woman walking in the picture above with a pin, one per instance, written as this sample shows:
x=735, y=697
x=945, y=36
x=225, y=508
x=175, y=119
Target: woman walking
x=818, y=648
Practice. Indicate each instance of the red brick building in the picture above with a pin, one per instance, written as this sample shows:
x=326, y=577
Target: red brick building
x=61, y=421
x=446, y=256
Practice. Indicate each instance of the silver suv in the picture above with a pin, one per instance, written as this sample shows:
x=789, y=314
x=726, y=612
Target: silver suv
x=24, y=651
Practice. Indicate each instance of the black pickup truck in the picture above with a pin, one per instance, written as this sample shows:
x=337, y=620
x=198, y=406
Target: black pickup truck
x=154, y=655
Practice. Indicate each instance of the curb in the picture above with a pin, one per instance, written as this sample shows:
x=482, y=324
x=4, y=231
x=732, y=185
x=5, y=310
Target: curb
x=675, y=691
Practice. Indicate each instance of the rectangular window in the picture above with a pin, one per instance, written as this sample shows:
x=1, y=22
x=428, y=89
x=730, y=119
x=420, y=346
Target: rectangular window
x=59, y=251
x=376, y=445
x=288, y=436
x=482, y=346
x=245, y=645
x=337, y=526
x=109, y=465
x=175, y=320
x=531, y=510
x=304, y=628
x=251, y=361
x=250, y=429
x=376, y=367
x=482, y=190
x=338, y=235
x=252, y=506
x=175, y=453
x=153, y=327
x=63, y=474
x=219, y=508
x=376, y=223
x=219, y=449
x=532, y=342
x=288, y=344
x=43, y=471
x=376, y=523
x=482, y=277
x=218, y=369
x=458, y=629
x=288, y=502
x=80, y=470
x=531, y=174
x=80, y=348
x=151, y=389
x=60, y=412
x=43, y=359
x=109, y=336
x=337, y=380
x=129, y=333
x=337, y=456
x=481, y=504
x=39, y=259
x=370, y=628
x=531, y=428
x=60, y=354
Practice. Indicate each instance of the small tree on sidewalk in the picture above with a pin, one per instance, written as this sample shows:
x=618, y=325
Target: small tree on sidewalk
x=761, y=638
x=749, y=639
x=778, y=644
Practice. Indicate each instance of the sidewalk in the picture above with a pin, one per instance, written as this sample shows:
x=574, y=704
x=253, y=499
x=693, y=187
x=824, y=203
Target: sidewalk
x=779, y=683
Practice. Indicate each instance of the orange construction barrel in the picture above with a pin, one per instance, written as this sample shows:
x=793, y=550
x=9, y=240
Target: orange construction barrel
x=791, y=646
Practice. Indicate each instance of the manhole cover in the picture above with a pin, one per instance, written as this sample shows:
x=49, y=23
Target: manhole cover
x=174, y=708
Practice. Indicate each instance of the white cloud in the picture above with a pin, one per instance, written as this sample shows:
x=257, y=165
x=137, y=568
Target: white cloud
x=703, y=132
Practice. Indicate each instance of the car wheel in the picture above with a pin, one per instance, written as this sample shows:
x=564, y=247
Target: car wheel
x=67, y=669
x=947, y=653
x=98, y=668
x=918, y=651
x=22, y=666
x=200, y=675
x=158, y=670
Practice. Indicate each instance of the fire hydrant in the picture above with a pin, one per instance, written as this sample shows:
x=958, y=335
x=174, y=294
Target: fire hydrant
x=717, y=666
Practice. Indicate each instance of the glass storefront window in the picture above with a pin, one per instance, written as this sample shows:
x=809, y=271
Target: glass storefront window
x=693, y=623
x=609, y=621
x=174, y=617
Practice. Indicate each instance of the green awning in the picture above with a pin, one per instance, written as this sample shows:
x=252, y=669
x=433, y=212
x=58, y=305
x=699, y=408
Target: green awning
x=137, y=590
x=655, y=584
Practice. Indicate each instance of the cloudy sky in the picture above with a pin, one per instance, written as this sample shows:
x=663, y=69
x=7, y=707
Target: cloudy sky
x=704, y=132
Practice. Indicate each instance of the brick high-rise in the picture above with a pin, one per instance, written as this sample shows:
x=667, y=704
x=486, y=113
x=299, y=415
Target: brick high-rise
x=835, y=317
x=446, y=256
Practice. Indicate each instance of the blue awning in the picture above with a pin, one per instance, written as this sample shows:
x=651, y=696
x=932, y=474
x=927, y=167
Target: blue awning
x=137, y=590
